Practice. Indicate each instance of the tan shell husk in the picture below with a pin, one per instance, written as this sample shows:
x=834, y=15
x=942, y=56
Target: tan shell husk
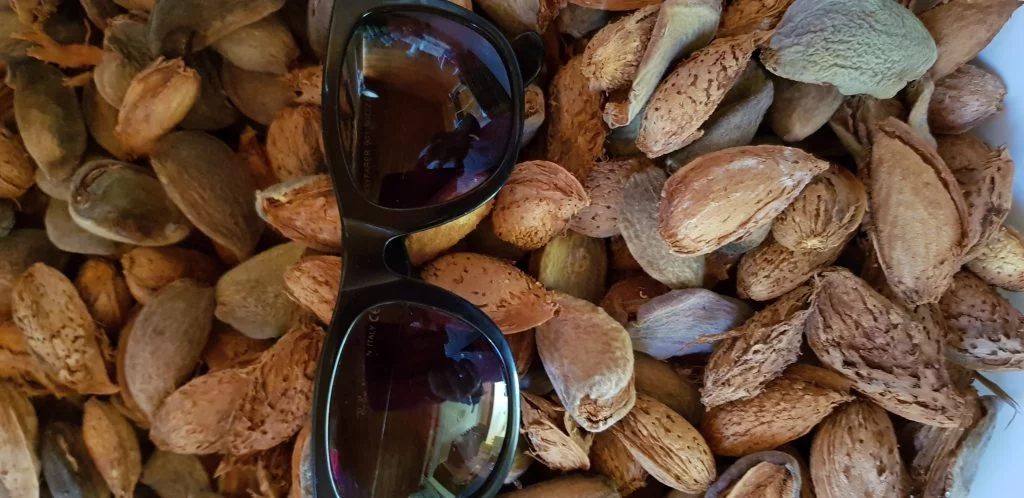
x=825, y=213
x=667, y=446
x=101, y=120
x=19, y=436
x=427, y=245
x=964, y=99
x=180, y=26
x=855, y=453
x=688, y=96
x=104, y=291
x=157, y=99
x=19, y=250
x=576, y=130
x=149, y=269
x=264, y=46
x=961, y=28
x=171, y=474
x=260, y=96
x=888, y=356
x=764, y=346
x=536, y=204
x=17, y=169
x=589, y=359
x=578, y=486
x=574, y=264
x=227, y=348
x=59, y=330
x=314, y=283
x=207, y=181
x=294, y=142
x=251, y=297
x=613, y=460
x=685, y=321
x=1000, y=262
x=745, y=16
x=554, y=439
x=66, y=235
x=660, y=381
x=726, y=195
x=985, y=331
x=604, y=185
x=613, y=55
x=67, y=467
x=800, y=109
x=918, y=223
x=625, y=297
x=788, y=407
x=114, y=448
x=166, y=340
x=304, y=210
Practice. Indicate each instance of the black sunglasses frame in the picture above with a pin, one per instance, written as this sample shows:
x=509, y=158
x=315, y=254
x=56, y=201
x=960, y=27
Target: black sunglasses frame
x=375, y=268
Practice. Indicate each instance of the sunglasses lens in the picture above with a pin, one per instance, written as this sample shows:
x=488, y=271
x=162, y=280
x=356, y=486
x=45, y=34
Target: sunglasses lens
x=419, y=407
x=426, y=109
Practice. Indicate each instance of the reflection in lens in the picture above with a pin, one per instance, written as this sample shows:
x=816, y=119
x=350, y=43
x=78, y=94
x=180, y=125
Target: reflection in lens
x=434, y=110
x=419, y=406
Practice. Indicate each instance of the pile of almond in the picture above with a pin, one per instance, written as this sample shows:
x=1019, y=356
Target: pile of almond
x=751, y=249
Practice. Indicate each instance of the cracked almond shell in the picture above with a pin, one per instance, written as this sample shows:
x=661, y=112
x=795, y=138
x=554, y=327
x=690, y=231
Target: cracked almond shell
x=824, y=215
x=305, y=210
x=1000, y=262
x=961, y=28
x=314, y=282
x=604, y=185
x=613, y=55
x=985, y=331
x=251, y=297
x=113, y=445
x=576, y=130
x=726, y=195
x=536, y=204
x=964, y=99
x=854, y=453
x=157, y=99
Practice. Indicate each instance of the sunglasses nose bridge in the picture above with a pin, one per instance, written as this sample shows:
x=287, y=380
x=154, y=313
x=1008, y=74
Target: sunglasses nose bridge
x=367, y=263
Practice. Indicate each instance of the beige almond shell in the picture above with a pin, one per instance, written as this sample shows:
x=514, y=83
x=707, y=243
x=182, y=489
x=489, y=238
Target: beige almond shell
x=688, y=96
x=986, y=332
x=428, y=244
x=104, y=291
x=576, y=130
x=195, y=418
x=771, y=270
x=166, y=340
x=555, y=440
x=763, y=347
x=574, y=264
x=259, y=96
x=918, y=223
x=1000, y=262
x=294, y=142
x=577, y=486
x=769, y=474
x=964, y=99
x=613, y=55
x=59, y=330
x=855, y=453
x=788, y=407
x=726, y=195
x=149, y=269
x=745, y=16
x=304, y=210
x=887, y=355
x=19, y=437
x=17, y=169
x=823, y=216
x=314, y=282
x=961, y=28
x=657, y=379
x=251, y=297
x=800, y=109
x=157, y=99
x=113, y=446
x=667, y=446
x=265, y=46
x=604, y=185
x=536, y=204
x=612, y=459
x=589, y=359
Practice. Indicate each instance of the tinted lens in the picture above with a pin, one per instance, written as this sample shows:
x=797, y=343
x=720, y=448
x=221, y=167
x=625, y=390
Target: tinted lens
x=419, y=407
x=426, y=109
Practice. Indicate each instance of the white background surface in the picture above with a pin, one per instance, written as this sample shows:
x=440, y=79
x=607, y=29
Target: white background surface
x=1001, y=472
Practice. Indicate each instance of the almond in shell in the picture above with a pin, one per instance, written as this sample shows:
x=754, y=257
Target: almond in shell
x=964, y=99
x=604, y=185
x=516, y=16
x=294, y=142
x=1000, y=262
x=854, y=453
x=314, y=283
x=536, y=204
x=625, y=297
x=800, y=109
x=113, y=445
x=534, y=114
x=854, y=122
x=19, y=435
x=555, y=440
x=18, y=251
x=17, y=169
x=259, y=96
x=257, y=164
x=824, y=215
x=104, y=291
x=985, y=331
x=428, y=244
x=574, y=264
x=264, y=46
x=578, y=486
x=251, y=297
x=576, y=131
x=304, y=210
x=612, y=459
x=171, y=474
x=961, y=28
x=770, y=474
x=19, y=369
x=685, y=321
x=227, y=348
x=195, y=418
x=66, y=235
x=613, y=55
x=101, y=119
x=149, y=269
x=157, y=99
x=178, y=27
x=660, y=381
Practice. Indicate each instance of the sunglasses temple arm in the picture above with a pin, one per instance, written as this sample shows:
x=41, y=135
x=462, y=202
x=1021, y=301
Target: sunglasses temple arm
x=529, y=50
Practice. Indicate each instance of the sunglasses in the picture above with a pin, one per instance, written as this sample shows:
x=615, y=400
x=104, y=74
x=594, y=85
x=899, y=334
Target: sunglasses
x=417, y=392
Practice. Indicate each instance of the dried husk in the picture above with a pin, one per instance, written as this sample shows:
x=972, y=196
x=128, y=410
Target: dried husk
x=125, y=54
x=576, y=130
x=985, y=331
x=173, y=475
x=613, y=460
x=964, y=99
x=227, y=348
x=111, y=441
x=855, y=122
x=533, y=116
x=788, y=407
x=17, y=170
x=660, y=381
x=177, y=27
x=166, y=340
x=589, y=359
x=125, y=203
x=604, y=185
x=305, y=210
x=771, y=474
x=49, y=118
x=763, y=347
x=667, y=446
x=726, y=195
x=67, y=467
x=613, y=55
x=855, y=453
x=555, y=440
x=825, y=213
x=638, y=223
x=985, y=177
x=887, y=355
x=264, y=46
x=688, y=96
x=294, y=142
x=314, y=283
x=101, y=120
x=578, y=486
x=685, y=321
x=574, y=264
x=213, y=109
x=251, y=297
x=625, y=297
x=104, y=291
x=1000, y=262
x=19, y=436
x=67, y=235
x=536, y=204
x=260, y=96
x=801, y=109
x=745, y=16
x=961, y=28
x=59, y=330
x=157, y=99
x=682, y=26
x=207, y=181
x=918, y=223
x=18, y=251
x=517, y=16
x=147, y=270
x=428, y=244
x=302, y=465
x=881, y=44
